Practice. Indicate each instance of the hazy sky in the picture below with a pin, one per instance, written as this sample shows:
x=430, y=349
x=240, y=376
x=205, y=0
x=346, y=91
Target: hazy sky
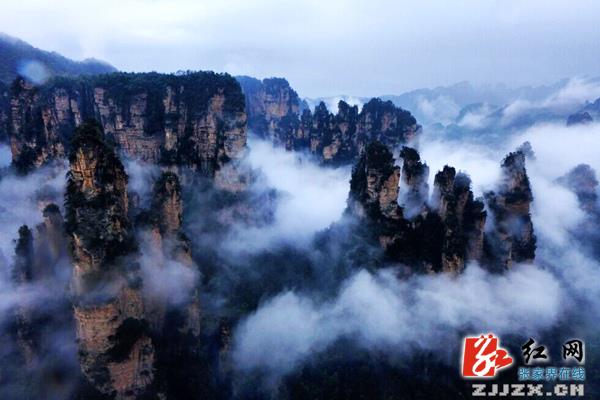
x=325, y=47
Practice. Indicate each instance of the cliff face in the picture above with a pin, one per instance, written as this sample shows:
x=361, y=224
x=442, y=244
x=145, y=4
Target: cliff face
x=4, y=111
x=115, y=351
x=415, y=189
x=341, y=138
x=272, y=107
x=462, y=217
x=195, y=120
x=373, y=199
x=512, y=240
x=374, y=185
x=444, y=232
x=97, y=203
x=276, y=113
x=172, y=243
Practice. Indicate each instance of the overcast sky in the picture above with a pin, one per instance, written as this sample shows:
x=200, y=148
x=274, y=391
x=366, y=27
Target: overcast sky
x=325, y=47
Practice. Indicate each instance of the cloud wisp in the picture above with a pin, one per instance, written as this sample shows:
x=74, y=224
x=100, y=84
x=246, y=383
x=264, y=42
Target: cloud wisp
x=378, y=311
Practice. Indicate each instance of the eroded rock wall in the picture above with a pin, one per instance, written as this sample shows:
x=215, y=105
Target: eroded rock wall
x=195, y=120
x=276, y=113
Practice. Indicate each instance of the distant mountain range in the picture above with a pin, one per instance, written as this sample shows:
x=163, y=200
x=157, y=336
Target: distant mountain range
x=20, y=58
x=489, y=111
x=457, y=110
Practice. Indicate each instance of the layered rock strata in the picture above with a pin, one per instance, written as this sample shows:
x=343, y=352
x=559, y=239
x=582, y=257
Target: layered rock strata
x=195, y=120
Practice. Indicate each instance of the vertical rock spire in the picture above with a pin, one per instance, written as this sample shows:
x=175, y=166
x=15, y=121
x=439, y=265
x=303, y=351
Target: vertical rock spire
x=167, y=210
x=96, y=202
x=512, y=240
x=462, y=217
x=374, y=184
x=166, y=202
x=437, y=235
x=116, y=353
x=23, y=275
x=414, y=190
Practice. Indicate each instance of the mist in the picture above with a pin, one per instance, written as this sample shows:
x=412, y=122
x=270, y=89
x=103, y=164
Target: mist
x=308, y=198
x=22, y=199
x=379, y=312
x=299, y=305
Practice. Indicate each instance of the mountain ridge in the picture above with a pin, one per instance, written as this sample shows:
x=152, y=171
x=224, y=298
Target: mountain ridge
x=17, y=55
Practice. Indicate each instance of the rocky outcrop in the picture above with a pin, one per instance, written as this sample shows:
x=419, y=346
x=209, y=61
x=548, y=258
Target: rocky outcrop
x=427, y=240
x=24, y=256
x=196, y=120
x=276, y=113
x=116, y=353
x=38, y=253
x=272, y=107
x=341, y=138
x=415, y=189
x=167, y=203
x=4, y=112
x=374, y=185
x=167, y=214
x=97, y=203
x=512, y=239
x=449, y=229
x=463, y=219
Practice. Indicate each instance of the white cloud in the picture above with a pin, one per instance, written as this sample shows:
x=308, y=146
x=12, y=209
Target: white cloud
x=440, y=109
x=476, y=119
x=22, y=200
x=381, y=312
x=310, y=197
